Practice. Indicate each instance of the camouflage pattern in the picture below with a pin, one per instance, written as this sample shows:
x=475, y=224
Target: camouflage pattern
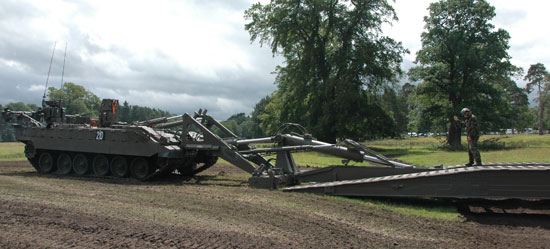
x=473, y=152
x=472, y=131
x=472, y=127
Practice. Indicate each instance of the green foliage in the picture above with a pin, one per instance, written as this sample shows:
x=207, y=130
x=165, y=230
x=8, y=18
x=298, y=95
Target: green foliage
x=518, y=115
x=395, y=102
x=130, y=113
x=7, y=133
x=336, y=65
x=77, y=100
x=242, y=125
x=267, y=113
x=539, y=78
x=537, y=75
x=463, y=63
x=20, y=106
x=258, y=115
x=534, y=113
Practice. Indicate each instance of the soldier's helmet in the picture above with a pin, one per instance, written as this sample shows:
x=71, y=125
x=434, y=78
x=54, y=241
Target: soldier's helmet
x=465, y=111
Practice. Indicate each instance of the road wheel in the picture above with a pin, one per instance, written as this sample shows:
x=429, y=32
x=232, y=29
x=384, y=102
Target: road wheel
x=100, y=165
x=140, y=168
x=119, y=167
x=81, y=166
x=46, y=163
x=64, y=164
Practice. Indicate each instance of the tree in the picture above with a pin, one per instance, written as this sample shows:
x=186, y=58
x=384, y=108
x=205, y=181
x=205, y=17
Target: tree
x=124, y=112
x=258, y=115
x=131, y=113
x=395, y=102
x=336, y=64
x=538, y=77
x=7, y=133
x=534, y=112
x=77, y=100
x=461, y=64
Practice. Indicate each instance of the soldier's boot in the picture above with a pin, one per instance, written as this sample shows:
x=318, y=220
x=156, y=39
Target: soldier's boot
x=470, y=159
x=477, y=158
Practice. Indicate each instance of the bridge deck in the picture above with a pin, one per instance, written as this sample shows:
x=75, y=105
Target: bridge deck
x=498, y=180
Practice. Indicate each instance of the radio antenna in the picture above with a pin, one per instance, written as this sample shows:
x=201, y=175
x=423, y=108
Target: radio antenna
x=48, y=78
x=63, y=72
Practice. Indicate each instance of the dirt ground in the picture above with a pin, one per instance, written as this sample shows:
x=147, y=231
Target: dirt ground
x=218, y=210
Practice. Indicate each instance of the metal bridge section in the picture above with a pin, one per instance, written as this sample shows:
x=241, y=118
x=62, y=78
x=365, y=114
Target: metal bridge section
x=491, y=181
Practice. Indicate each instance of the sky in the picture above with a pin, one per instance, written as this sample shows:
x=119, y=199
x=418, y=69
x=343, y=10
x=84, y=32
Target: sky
x=182, y=55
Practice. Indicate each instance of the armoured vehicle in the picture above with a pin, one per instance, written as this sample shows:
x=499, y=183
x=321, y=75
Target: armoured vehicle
x=186, y=145
x=65, y=144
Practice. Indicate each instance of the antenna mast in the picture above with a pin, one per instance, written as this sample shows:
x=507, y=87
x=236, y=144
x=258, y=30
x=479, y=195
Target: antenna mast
x=63, y=72
x=48, y=78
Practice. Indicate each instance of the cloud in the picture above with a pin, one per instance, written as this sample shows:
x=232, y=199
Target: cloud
x=184, y=55
x=168, y=54
x=35, y=88
x=528, y=43
x=510, y=16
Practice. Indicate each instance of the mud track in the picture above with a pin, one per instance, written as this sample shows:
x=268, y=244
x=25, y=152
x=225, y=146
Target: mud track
x=218, y=210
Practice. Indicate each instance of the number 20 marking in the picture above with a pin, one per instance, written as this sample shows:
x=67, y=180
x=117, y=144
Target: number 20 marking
x=99, y=135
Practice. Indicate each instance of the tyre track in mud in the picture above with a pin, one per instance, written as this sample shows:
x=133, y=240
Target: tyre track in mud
x=41, y=226
x=228, y=215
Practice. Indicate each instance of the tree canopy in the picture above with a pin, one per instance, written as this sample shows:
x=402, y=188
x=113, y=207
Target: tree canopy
x=7, y=133
x=539, y=78
x=76, y=98
x=337, y=64
x=464, y=62
x=130, y=113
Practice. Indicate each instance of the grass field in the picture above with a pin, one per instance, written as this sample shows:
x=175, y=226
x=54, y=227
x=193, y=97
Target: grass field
x=12, y=152
x=425, y=151
x=430, y=151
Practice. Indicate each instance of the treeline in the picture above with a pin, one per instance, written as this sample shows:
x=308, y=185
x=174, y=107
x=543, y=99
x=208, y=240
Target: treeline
x=339, y=73
x=7, y=133
x=405, y=112
x=78, y=100
x=130, y=113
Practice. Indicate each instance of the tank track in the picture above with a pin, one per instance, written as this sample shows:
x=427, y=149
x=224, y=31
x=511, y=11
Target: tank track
x=114, y=166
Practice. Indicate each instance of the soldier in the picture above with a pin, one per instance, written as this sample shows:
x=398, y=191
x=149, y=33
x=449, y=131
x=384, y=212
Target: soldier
x=472, y=133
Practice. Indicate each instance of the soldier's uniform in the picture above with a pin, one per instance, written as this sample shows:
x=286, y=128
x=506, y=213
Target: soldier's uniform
x=472, y=131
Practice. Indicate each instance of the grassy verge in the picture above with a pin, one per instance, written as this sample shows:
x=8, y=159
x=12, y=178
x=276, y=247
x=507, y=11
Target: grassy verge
x=440, y=212
x=429, y=151
x=12, y=152
x=426, y=151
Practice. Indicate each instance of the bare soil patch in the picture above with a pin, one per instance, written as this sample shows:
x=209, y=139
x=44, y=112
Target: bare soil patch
x=219, y=210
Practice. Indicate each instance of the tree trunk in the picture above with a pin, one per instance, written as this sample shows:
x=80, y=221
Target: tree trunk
x=454, y=136
x=541, y=109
